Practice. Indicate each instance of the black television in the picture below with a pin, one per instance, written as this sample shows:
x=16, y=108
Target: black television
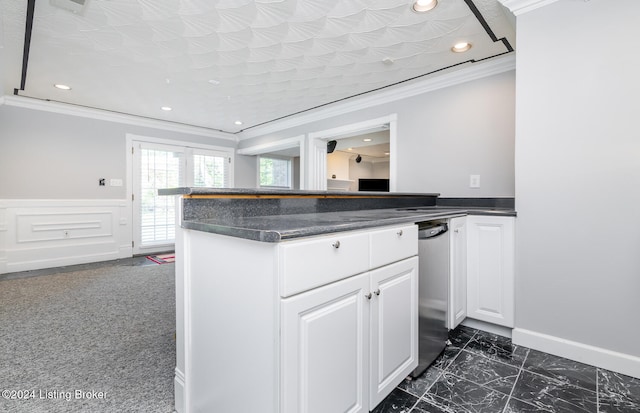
x=373, y=185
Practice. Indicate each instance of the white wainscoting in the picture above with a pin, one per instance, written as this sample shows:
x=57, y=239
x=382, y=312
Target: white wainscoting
x=40, y=233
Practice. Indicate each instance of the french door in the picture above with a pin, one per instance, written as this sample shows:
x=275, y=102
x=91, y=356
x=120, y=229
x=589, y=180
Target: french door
x=156, y=166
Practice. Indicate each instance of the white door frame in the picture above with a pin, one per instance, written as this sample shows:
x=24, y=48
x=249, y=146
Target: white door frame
x=129, y=142
x=316, y=165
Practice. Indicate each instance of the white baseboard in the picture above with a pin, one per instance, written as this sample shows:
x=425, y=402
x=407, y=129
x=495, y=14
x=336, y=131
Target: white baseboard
x=178, y=383
x=584, y=353
x=488, y=327
x=69, y=259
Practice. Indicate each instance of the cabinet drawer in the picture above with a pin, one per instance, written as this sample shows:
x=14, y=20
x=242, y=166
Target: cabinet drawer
x=393, y=244
x=307, y=264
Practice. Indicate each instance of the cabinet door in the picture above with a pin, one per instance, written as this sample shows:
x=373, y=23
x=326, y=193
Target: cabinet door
x=458, y=277
x=394, y=326
x=490, y=269
x=325, y=350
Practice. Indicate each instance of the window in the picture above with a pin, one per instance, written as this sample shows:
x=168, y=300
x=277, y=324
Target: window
x=159, y=168
x=274, y=172
x=163, y=165
x=210, y=169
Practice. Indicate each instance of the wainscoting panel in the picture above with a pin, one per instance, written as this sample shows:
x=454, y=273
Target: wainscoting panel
x=3, y=236
x=37, y=234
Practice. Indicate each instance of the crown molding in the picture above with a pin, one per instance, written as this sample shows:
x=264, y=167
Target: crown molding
x=91, y=113
x=518, y=7
x=473, y=72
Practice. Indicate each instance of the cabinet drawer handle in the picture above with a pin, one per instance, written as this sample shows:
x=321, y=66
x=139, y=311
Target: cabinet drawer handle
x=399, y=233
x=368, y=296
x=377, y=292
x=336, y=245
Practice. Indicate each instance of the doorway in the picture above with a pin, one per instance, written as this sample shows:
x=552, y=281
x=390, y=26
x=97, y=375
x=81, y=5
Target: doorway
x=364, y=150
x=360, y=162
x=155, y=166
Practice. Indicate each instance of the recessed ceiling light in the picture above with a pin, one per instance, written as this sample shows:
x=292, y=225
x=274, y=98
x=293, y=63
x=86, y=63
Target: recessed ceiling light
x=387, y=153
x=166, y=108
x=62, y=87
x=387, y=61
x=367, y=140
x=349, y=149
x=238, y=122
x=214, y=82
x=422, y=6
x=461, y=47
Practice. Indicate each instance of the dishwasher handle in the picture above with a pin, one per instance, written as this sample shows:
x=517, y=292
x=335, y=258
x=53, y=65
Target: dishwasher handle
x=433, y=231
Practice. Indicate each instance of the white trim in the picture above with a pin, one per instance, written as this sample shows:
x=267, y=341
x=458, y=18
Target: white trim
x=476, y=71
x=518, y=7
x=2, y=99
x=335, y=133
x=184, y=144
x=29, y=203
x=31, y=236
x=4, y=228
x=354, y=127
x=393, y=153
x=91, y=113
x=488, y=327
x=273, y=146
x=584, y=353
x=178, y=384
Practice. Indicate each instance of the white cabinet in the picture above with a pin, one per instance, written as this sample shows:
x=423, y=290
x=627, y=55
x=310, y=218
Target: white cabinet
x=490, y=269
x=458, y=272
x=394, y=326
x=347, y=345
x=325, y=352
x=321, y=324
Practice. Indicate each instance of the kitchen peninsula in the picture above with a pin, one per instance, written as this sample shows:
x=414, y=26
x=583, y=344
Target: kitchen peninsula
x=309, y=295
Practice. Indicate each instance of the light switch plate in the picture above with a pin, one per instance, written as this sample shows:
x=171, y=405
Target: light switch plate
x=115, y=182
x=474, y=181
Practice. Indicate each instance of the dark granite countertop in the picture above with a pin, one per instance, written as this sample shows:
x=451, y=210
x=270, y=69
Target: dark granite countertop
x=204, y=191
x=272, y=215
x=275, y=228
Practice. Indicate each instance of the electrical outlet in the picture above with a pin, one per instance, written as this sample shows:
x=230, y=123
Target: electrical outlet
x=474, y=181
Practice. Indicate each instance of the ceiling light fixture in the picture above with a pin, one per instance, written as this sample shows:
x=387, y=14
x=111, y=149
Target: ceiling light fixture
x=461, y=47
x=238, y=123
x=367, y=140
x=422, y=6
x=61, y=86
x=214, y=82
x=166, y=108
x=349, y=149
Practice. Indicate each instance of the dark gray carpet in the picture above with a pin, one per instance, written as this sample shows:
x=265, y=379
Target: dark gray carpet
x=108, y=329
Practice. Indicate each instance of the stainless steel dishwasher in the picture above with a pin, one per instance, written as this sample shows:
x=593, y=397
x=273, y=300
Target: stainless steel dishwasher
x=433, y=292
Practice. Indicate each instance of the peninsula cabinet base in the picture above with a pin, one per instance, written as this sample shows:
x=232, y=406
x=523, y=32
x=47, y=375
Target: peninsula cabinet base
x=341, y=346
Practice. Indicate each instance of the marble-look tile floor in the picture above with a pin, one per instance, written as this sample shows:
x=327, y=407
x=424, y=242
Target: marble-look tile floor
x=481, y=372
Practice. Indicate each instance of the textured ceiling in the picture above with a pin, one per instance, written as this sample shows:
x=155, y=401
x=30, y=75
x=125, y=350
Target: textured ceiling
x=215, y=62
